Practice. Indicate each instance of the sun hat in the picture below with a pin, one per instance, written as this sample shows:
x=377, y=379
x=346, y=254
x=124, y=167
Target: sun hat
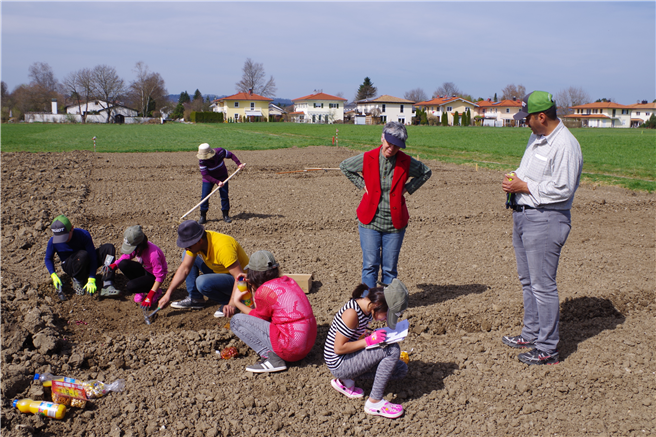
x=261, y=261
x=61, y=228
x=189, y=233
x=396, y=296
x=132, y=237
x=536, y=101
x=205, y=151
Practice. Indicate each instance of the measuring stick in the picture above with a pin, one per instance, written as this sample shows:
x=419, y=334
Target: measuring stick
x=208, y=196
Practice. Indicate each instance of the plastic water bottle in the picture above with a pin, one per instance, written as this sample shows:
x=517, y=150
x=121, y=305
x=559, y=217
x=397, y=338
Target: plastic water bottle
x=46, y=379
x=40, y=408
x=246, y=299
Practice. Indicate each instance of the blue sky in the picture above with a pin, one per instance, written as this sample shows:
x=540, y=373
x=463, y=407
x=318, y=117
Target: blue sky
x=607, y=48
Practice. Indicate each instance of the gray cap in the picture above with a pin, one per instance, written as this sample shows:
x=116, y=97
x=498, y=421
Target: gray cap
x=132, y=237
x=396, y=296
x=261, y=261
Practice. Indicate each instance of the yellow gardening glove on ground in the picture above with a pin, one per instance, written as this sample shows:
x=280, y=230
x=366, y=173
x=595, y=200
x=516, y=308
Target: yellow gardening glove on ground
x=56, y=281
x=91, y=286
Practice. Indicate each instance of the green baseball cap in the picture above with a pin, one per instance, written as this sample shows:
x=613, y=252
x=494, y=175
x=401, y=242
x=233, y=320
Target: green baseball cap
x=537, y=101
x=132, y=237
x=61, y=228
x=261, y=261
x=396, y=296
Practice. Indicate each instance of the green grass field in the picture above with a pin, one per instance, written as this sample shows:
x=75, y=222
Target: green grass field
x=612, y=156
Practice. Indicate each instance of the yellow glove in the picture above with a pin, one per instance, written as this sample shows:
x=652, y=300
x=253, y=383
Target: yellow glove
x=90, y=287
x=56, y=281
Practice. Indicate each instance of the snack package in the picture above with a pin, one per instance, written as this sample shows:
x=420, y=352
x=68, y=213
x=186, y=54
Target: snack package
x=97, y=389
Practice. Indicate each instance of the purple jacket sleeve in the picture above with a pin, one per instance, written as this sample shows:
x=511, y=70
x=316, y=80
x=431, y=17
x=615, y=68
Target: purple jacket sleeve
x=232, y=156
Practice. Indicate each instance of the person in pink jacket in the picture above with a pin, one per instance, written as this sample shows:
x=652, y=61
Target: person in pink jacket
x=144, y=264
x=282, y=326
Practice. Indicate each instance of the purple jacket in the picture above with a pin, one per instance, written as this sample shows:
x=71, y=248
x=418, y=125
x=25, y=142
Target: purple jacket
x=214, y=169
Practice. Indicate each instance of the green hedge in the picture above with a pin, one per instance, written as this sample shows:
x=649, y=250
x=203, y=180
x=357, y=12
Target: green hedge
x=206, y=117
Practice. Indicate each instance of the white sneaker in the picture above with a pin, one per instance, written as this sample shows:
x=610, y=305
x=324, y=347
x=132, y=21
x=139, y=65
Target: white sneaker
x=219, y=313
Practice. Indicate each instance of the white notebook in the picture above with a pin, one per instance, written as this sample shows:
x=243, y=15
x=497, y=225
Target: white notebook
x=394, y=335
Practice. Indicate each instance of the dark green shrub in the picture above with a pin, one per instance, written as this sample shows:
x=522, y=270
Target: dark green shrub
x=206, y=117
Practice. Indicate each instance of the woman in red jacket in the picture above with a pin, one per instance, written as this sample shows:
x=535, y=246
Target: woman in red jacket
x=282, y=326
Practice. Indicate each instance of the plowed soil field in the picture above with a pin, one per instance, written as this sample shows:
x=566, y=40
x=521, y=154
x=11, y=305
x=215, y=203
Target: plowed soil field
x=457, y=260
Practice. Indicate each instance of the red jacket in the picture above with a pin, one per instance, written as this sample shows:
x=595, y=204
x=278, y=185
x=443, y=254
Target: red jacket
x=371, y=174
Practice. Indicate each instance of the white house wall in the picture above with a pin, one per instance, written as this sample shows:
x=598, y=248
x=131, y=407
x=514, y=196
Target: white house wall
x=327, y=113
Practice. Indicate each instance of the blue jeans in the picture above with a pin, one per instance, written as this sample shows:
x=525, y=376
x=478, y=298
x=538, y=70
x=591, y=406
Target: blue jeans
x=538, y=237
x=223, y=192
x=376, y=247
x=215, y=286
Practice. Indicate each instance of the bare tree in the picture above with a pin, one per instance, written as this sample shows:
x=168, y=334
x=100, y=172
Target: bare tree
x=254, y=78
x=569, y=97
x=147, y=88
x=512, y=90
x=44, y=86
x=447, y=89
x=416, y=95
x=107, y=86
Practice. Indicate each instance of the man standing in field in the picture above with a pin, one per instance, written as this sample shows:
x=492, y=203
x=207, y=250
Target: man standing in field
x=214, y=172
x=543, y=187
x=382, y=213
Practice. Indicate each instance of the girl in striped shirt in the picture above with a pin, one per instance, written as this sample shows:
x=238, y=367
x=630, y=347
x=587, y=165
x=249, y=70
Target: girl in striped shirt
x=346, y=352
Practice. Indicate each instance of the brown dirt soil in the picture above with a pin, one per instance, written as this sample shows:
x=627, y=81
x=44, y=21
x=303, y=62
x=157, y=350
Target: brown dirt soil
x=457, y=261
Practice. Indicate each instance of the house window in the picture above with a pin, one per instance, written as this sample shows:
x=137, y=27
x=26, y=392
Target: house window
x=589, y=111
x=401, y=109
x=449, y=108
x=383, y=109
x=647, y=114
x=333, y=105
x=625, y=111
x=317, y=105
x=507, y=110
x=252, y=105
x=383, y=118
x=236, y=104
x=638, y=113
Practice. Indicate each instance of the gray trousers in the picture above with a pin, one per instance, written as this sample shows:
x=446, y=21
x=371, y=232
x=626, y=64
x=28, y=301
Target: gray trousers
x=252, y=331
x=380, y=364
x=538, y=237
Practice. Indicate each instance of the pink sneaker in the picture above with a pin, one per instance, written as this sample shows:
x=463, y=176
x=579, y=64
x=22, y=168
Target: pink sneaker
x=353, y=392
x=388, y=409
x=138, y=297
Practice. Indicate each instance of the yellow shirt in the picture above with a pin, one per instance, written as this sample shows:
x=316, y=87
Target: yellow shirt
x=222, y=252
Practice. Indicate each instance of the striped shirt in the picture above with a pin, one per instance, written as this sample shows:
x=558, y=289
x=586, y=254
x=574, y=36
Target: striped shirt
x=551, y=167
x=332, y=359
x=382, y=222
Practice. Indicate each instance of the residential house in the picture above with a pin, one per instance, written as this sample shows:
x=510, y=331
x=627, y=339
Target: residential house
x=242, y=107
x=498, y=114
x=388, y=108
x=640, y=112
x=276, y=113
x=441, y=104
x=319, y=108
x=100, y=107
x=602, y=114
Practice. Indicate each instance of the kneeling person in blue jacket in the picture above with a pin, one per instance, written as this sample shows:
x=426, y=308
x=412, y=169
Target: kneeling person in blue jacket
x=79, y=258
